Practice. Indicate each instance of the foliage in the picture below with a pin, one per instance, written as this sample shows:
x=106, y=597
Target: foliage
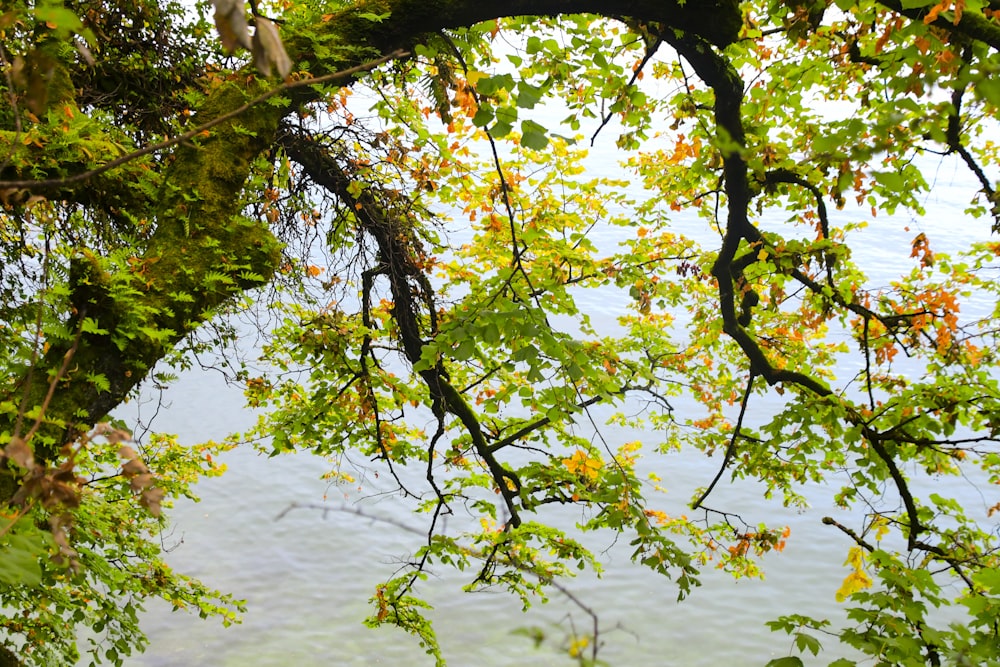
x=431, y=250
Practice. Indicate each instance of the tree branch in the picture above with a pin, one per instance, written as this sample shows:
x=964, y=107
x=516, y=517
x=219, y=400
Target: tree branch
x=731, y=449
x=397, y=256
x=972, y=24
x=38, y=185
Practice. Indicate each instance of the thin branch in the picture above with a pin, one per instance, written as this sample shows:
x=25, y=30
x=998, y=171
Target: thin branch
x=326, y=509
x=953, y=135
x=731, y=449
x=537, y=424
x=650, y=52
x=475, y=553
x=790, y=177
x=830, y=521
x=915, y=527
x=396, y=260
x=868, y=363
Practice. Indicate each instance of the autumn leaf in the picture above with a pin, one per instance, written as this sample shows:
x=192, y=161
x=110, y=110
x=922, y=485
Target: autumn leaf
x=582, y=464
x=858, y=579
x=231, y=22
x=18, y=451
x=269, y=54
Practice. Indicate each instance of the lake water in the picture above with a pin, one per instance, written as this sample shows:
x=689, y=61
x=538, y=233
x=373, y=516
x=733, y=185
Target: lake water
x=308, y=575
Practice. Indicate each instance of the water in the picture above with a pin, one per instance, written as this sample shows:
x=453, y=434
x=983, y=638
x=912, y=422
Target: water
x=307, y=575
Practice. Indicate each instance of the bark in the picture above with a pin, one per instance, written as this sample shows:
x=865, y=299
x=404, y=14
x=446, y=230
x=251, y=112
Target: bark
x=971, y=24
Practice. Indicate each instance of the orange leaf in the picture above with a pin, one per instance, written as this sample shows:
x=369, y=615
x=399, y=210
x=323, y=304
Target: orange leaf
x=932, y=15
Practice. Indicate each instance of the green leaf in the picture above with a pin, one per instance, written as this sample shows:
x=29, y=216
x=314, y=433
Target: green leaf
x=787, y=661
x=989, y=89
x=19, y=559
x=483, y=116
x=491, y=333
x=527, y=95
x=890, y=180
x=989, y=579
x=465, y=350
x=99, y=380
x=533, y=135
x=507, y=115
x=501, y=130
x=804, y=642
x=90, y=326
x=490, y=86
x=60, y=19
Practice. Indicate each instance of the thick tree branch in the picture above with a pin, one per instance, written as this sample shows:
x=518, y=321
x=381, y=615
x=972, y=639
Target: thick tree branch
x=720, y=75
x=408, y=20
x=718, y=72
x=408, y=286
x=199, y=229
x=972, y=24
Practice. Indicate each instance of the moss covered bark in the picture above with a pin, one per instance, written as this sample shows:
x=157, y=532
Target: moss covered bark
x=202, y=253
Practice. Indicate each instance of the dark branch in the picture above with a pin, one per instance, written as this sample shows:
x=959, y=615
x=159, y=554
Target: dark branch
x=731, y=449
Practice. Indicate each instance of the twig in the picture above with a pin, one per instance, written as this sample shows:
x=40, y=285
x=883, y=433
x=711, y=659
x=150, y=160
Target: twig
x=572, y=597
x=830, y=521
x=326, y=509
x=731, y=449
x=650, y=52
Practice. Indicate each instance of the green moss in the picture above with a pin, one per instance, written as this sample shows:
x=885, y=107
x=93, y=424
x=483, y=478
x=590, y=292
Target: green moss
x=200, y=226
x=203, y=252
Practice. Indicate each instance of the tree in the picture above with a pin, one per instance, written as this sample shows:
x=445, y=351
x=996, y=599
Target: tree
x=153, y=185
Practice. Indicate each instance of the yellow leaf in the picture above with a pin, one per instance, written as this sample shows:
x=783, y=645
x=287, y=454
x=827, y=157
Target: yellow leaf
x=581, y=464
x=855, y=558
x=473, y=76
x=853, y=583
x=856, y=580
x=881, y=530
x=578, y=645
